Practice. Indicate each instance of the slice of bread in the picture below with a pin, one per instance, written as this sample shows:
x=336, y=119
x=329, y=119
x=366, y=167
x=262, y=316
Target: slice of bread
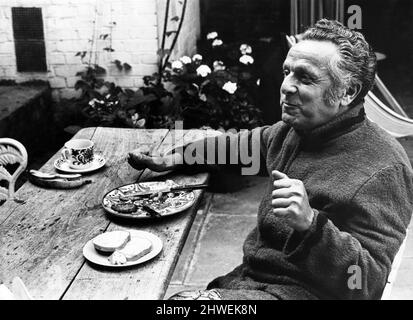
x=135, y=249
x=111, y=241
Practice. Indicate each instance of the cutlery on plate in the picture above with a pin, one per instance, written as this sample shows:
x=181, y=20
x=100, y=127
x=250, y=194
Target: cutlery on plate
x=164, y=190
x=151, y=211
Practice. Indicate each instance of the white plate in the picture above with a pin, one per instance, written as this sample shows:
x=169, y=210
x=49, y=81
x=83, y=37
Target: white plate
x=90, y=253
x=63, y=165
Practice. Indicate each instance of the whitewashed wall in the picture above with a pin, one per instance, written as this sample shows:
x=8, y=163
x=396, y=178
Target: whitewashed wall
x=70, y=25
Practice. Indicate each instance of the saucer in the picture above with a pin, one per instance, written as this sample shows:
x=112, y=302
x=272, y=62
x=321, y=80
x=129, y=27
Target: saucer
x=63, y=165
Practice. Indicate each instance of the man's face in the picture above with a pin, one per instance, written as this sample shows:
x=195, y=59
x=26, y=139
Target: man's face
x=306, y=81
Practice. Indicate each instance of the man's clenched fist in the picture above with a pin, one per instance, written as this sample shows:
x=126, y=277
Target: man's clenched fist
x=290, y=201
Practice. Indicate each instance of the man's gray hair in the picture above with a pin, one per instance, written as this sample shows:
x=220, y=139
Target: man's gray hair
x=356, y=63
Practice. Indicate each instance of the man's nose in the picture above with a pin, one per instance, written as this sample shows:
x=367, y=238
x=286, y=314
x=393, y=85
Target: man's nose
x=288, y=86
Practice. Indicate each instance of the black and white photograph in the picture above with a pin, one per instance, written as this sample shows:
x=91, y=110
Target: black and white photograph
x=228, y=152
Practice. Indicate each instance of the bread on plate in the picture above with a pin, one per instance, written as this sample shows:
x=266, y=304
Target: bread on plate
x=135, y=249
x=111, y=241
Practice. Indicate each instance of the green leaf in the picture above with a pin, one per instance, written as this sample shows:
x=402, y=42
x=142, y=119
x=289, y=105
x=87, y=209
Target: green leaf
x=103, y=36
x=81, y=84
x=82, y=54
x=176, y=18
x=99, y=83
x=118, y=64
x=127, y=66
x=100, y=71
x=140, y=123
x=109, y=49
x=129, y=92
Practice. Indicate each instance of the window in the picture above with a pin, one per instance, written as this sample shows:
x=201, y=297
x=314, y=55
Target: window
x=29, y=39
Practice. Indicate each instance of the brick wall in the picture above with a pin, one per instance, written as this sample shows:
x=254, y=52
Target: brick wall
x=69, y=25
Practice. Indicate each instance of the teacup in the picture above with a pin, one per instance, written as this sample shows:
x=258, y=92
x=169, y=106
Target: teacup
x=78, y=153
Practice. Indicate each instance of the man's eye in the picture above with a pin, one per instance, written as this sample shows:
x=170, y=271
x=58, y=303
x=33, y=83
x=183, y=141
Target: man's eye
x=286, y=72
x=305, y=79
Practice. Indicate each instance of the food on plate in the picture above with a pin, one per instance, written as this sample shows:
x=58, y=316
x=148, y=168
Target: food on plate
x=117, y=258
x=126, y=200
x=128, y=207
x=111, y=241
x=135, y=249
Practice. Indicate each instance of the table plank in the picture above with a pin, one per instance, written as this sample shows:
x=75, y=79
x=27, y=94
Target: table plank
x=149, y=280
x=41, y=241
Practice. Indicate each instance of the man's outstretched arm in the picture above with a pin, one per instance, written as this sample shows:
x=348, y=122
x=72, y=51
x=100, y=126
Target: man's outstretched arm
x=244, y=152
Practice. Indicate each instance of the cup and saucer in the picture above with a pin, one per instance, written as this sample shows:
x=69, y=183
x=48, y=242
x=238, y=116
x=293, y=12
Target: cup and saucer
x=78, y=157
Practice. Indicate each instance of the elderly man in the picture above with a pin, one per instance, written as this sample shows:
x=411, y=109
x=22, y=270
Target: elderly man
x=340, y=192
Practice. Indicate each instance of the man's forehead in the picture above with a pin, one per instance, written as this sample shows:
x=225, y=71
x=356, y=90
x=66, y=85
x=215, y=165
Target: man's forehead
x=316, y=53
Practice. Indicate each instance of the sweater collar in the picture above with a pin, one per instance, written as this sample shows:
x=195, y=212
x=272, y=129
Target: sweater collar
x=341, y=124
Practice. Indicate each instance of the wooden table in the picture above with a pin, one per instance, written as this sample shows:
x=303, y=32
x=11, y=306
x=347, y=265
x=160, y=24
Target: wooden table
x=41, y=240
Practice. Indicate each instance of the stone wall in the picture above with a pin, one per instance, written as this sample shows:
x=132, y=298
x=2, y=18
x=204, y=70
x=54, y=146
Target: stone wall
x=27, y=116
x=134, y=27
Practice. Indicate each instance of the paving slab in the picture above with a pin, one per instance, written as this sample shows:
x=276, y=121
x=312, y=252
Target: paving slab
x=175, y=288
x=219, y=249
x=244, y=201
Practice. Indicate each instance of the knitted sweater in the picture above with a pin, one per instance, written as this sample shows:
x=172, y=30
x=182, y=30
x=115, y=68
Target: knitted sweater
x=359, y=183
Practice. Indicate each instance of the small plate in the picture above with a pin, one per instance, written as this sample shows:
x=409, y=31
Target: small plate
x=90, y=253
x=172, y=205
x=63, y=165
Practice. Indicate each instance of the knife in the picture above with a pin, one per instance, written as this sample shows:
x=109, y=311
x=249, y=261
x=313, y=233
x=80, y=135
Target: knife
x=47, y=176
x=164, y=190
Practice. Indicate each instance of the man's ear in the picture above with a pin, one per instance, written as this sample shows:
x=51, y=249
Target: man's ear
x=350, y=94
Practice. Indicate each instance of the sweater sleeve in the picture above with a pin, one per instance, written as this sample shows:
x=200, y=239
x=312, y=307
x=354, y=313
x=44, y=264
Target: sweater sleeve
x=244, y=152
x=354, y=261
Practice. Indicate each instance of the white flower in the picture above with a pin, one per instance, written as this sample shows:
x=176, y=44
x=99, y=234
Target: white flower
x=185, y=60
x=245, y=49
x=203, y=70
x=230, y=87
x=218, y=65
x=217, y=42
x=212, y=35
x=246, y=59
x=202, y=97
x=197, y=57
x=177, y=64
x=92, y=102
x=135, y=118
x=258, y=82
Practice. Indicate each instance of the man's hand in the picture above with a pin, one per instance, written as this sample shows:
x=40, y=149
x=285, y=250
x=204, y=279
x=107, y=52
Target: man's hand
x=141, y=159
x=290, y=201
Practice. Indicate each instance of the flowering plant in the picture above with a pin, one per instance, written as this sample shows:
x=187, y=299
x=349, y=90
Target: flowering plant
x=218, y=88
x=104, y=103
